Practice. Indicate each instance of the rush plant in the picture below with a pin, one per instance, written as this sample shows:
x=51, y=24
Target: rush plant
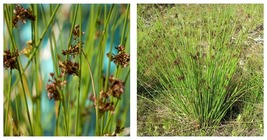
x=196, y=56
x=72, y=78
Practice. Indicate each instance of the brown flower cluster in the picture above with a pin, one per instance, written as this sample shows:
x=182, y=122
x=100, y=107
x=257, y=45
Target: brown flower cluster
x=76, y=32
x=116, y=89
x=122, y=58
x=103, y=103
x=54, y=86
x=22, y=14
x=68, y=67
x=72, y=50
x=10, y=59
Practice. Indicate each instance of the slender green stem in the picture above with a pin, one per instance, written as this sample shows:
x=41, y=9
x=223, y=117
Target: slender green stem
x=110, y=118
x=17, y=111
x=7, y=104
x=80, y=76
x=93, y=87
x=57, y=120
x=33, y=27
x=125, y=23
x=64, y=113
x=25, y=100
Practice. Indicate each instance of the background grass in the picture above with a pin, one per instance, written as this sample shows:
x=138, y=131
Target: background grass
x=168, y=33
x=105, y=27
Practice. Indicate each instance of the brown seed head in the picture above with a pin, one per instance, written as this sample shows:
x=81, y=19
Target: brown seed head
x=22, y=14
x=116, y=87
x=69, y=67
x=10, y=59
x=53, y=86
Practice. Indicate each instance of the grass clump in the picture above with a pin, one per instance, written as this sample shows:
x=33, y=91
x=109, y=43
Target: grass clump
x=64, y=82
x=194, y=66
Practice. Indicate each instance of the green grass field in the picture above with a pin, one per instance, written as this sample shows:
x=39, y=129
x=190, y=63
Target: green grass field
x=200, y=70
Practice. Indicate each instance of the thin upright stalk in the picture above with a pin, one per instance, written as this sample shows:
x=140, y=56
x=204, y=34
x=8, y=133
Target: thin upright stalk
x=7, y=104
x=93, y=87
x=125, y=23
x=80, y=76
x=25, y=100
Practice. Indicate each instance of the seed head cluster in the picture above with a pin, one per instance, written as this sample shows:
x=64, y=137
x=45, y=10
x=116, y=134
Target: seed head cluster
x=53, y=86
x=116, y=89
x=76, y=32
x=122, y=58
x=69, y=67
x=22, y=14
x=10, y=59
x=73, y=50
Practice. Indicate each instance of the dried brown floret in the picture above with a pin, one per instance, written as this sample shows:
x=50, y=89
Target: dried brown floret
x=73, y=50
x=10, y=59
x=116, y=87
x=106, y=106
x=76, y=32
x=22, y=14
x=120, y=48
x=53, y=86
x=103, y=94
x=103, y=105
x=122, y=58
x=68, y=67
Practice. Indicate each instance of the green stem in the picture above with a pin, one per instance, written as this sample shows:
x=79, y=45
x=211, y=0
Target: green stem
x=7, y=105
x=110, y=117
x=80, y=75
x=25, y=100
x=17, y=111
x=125, y=23
x=64, y=113
x=93, y=87
x=33, y=25
x=57, y=120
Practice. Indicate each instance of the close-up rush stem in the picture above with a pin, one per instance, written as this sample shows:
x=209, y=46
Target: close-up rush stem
x=59, y=69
